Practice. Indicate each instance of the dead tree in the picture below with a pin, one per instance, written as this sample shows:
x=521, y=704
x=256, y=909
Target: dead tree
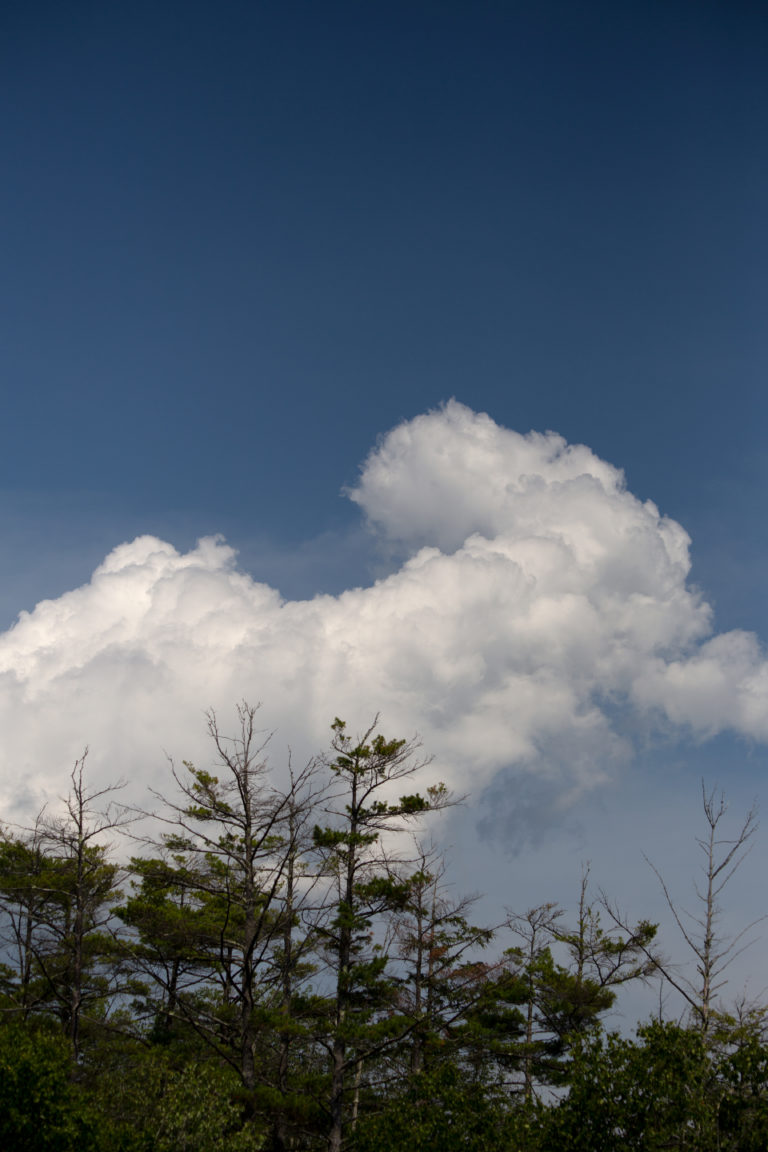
x=713, y=948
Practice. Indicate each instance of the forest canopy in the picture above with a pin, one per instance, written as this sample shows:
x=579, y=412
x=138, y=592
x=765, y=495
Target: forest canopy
x=249, y=964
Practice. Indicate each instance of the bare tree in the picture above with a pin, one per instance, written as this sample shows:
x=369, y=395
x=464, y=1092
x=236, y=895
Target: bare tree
x=712, y=947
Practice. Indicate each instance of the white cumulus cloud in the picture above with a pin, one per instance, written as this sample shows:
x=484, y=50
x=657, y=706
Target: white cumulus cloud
x=537, y=602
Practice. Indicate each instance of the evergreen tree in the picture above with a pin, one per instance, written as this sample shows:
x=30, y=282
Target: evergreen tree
x=57, y=884
x=366, y=884
x=443, y=977
x=218, y=912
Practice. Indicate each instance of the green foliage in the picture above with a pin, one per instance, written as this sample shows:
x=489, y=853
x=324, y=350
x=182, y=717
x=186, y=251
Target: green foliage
x=739, y=1050
x=154, y=1105
x=442, y=1110
x=41, y=1110
x=283, y=977
x=56, y=884
x=369, y=886
x=657, y=1092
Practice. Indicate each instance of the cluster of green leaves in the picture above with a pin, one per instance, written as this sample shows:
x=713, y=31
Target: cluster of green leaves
x=668, y=1088
x=41, y=1109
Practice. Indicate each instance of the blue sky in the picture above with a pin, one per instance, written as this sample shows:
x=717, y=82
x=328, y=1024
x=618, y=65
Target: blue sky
x=241, y=242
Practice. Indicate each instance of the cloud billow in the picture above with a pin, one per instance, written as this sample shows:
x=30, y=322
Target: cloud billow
x=537, y=600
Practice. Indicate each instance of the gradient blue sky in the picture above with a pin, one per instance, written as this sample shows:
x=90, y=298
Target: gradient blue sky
x=241, y=241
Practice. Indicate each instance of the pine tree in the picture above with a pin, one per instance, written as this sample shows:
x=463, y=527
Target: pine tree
x=367, y=882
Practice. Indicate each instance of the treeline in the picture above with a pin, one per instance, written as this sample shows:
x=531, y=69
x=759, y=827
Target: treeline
x=284, y=967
